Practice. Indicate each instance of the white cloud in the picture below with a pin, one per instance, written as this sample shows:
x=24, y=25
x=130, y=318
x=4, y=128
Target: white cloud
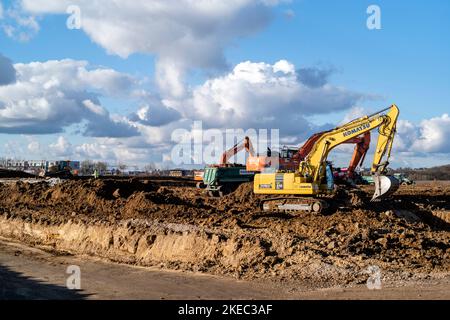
x=98, y=150
x=61, y=148
x=434, y=135
x=261, y=95
x=253, y=95
x=34, y=146
x=354, y=113
x=104, y=150
x=183, y=34
x=154, y=112
x=50, y=96
x=424, y=144
x=407, y=134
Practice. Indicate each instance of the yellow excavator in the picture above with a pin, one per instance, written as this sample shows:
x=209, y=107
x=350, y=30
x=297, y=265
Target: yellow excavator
x=309, y=187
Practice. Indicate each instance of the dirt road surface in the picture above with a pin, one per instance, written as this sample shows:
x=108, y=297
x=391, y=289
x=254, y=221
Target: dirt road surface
x=31, y=273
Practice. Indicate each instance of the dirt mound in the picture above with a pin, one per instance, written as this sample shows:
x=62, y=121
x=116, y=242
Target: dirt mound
x=230, y=235
x=14, y=174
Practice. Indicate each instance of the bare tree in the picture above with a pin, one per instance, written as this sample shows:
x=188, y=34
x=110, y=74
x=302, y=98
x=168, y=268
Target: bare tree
x=87, y=167
x=150, y=167
x=101, y=167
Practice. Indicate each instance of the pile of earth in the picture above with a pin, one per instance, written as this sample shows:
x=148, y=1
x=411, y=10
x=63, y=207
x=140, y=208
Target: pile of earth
x=4, y=173
x=401, y=236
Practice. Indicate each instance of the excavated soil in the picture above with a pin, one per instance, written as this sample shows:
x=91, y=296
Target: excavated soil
x=14, y=174
x=170, y=223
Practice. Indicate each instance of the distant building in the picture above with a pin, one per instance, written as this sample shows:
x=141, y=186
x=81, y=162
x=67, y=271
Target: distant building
x=36, y=166
x=180, y=173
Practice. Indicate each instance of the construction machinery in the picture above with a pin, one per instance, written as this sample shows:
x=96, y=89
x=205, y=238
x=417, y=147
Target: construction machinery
x=60, y=169
x=403, y=179
x=348, y=175
x=288, y=159
x=309, y=187
x=224, y=177
x=198, y=177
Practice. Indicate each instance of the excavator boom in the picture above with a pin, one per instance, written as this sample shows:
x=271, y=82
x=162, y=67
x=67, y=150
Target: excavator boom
x=359, y=154
x=227, y=155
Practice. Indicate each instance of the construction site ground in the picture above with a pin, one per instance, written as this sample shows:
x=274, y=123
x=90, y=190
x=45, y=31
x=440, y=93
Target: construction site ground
x=168, y=226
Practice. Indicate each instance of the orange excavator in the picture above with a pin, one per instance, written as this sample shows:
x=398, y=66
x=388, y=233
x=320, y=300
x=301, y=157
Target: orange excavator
x=227, y=155
x=348, y=175
x=222, y=178
x=289, y=159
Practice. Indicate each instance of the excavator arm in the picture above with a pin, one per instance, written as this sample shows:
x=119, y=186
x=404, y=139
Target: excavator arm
x=259, y=163
x=385, y=140
x=244, y=144
x=359, y=153
x=386, y=122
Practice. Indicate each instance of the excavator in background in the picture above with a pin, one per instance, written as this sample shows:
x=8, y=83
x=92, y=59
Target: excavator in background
x=348, y=176
x=224, y=177
x=289, y=158
x=60, y=169
x=312, y=183
x=286, y=159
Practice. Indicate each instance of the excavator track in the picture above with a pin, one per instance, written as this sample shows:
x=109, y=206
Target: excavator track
x=291, y=204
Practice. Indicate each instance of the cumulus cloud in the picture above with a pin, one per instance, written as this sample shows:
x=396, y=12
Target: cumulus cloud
x=261, y=95
x=354, y=113
x=183, y=33
x=252, y=96
x=430, y=136
x=107, y=152
x=7, y=71
x=111, y=150
x=155, y=115
x=407, y=134
x=434, y=135
x=61, y=148
x=154, y=112
x=49, y=96
x=34, y=146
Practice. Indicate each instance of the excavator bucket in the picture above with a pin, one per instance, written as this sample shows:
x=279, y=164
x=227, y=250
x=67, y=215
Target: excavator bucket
x=384, y=186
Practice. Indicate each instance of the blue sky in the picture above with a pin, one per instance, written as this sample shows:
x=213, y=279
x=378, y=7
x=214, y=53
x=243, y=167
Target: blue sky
x=407, y=62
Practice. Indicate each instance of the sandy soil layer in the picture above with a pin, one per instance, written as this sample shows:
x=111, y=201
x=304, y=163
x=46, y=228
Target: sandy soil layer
x=31, y=273
x=170, y=224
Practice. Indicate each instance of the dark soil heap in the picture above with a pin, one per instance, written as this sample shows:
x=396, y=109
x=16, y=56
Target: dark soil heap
x=408, y=234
